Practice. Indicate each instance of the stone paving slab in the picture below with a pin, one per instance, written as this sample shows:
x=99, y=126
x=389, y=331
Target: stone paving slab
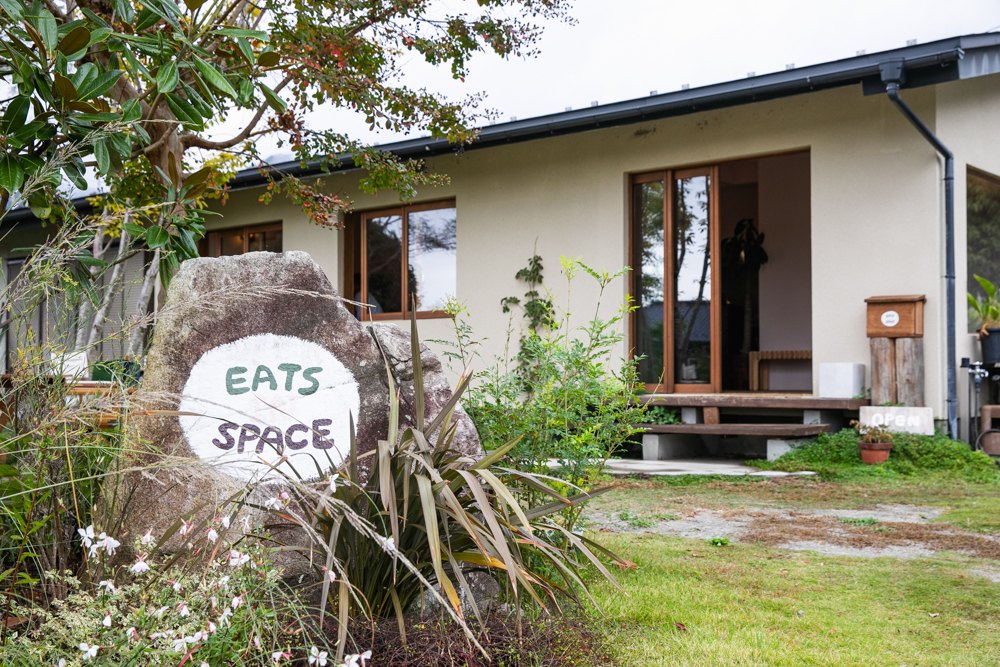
x=692, y=467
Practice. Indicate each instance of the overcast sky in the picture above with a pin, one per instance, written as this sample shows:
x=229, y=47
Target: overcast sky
x=624, y=49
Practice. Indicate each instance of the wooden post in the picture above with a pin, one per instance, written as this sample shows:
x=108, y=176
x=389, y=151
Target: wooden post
x=910, y=372
x=883, y=371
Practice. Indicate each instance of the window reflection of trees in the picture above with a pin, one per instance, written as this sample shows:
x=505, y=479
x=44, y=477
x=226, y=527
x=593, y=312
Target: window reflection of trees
x=649, y=308
x=983, y=235
x=385, y=261
x=691, y=231
x=428, y=232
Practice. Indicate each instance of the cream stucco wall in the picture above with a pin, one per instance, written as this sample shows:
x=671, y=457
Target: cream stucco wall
x=876, y=206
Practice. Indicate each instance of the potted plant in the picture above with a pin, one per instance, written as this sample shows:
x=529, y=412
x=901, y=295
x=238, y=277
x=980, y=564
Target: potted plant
x=875, y=442
x=987, y=311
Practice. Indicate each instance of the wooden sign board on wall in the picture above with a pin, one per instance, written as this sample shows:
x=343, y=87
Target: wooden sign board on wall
x=896, y=316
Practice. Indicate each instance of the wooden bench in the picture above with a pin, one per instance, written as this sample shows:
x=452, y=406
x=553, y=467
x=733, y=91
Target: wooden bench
x=766, y=430
x=760, y=369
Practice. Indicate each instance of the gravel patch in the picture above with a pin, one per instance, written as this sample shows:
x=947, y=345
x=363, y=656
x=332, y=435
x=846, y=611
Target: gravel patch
x=894, y=551
x=885, y=513
x=986, y=573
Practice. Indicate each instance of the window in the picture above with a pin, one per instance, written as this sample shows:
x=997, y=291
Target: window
x=983, y=232
x=239, y=240
x=417, y=241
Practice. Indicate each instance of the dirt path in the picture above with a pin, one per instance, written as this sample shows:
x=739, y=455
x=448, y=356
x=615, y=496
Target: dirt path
x=899, y=531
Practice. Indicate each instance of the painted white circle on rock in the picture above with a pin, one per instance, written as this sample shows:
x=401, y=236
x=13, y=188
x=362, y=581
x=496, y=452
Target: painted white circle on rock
x=266, y=395
x=890, y=318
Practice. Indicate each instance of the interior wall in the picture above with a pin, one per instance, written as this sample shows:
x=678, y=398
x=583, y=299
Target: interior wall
x=786, y=280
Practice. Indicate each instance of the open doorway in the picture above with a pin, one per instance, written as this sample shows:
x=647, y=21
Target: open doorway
x=766, y=274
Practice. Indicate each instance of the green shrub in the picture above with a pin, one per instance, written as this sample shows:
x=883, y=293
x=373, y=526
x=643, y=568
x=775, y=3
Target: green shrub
x=564, y=396
x=837, y=455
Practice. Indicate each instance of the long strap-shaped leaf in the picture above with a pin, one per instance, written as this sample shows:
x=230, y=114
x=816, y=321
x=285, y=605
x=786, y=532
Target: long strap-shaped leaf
x=507, y=496
x=551, y=508
x=498, y=537
x=434, y=539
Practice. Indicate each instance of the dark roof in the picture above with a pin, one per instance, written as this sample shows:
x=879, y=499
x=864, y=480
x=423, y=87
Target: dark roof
x=936, y=62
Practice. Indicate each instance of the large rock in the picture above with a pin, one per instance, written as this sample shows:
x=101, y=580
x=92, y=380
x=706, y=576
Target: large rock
x=397, y=346
x=263, y=361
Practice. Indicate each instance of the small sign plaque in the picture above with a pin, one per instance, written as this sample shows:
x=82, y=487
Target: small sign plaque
x=890, y=318
x=899, y=419
x=261, y=397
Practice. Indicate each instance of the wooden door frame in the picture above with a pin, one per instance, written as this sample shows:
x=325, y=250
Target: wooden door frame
x=668, y=178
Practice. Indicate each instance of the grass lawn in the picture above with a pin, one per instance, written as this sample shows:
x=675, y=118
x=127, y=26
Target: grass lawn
x=740, y=604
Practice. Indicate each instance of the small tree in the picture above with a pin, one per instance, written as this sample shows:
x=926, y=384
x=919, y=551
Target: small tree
x=166, y=73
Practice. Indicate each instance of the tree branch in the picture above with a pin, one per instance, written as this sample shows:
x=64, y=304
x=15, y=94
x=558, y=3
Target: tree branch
x=194, y=141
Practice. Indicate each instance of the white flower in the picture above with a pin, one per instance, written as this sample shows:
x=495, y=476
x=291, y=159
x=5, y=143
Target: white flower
x=159, y=612
x=388, y=542
x=333, y=483
x=317, y=657
x=88, y=651
x=236, y=559
x=211, y=627
x=176, y=586
x=201, y=635
x=183, y=610
x=225, y=522
x=87, y=535
x=246, y=522
x=278, y=655
x=61, y=663
x=256, y=641
x=109, y=544
x=107, y=621
x=224, y=581
x=139, y=566
x=204, y=664
x=224, y=618
x=237, y=602
x=109, y=585
x=273, y=503
x=330, y=575
x=131, y=633
x=185, y=528
x=148, y=537
x=180, y=645
x=212, y=535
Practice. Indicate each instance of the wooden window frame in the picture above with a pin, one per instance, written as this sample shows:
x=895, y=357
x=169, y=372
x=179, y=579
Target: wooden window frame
x=212, y=236
x=668, y=177
x=358, y=224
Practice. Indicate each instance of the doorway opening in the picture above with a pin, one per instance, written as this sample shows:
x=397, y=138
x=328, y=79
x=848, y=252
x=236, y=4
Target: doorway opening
x=722, y=277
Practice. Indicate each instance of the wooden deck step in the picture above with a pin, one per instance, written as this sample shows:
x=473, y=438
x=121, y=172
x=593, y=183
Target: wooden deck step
x=748, y=400
x=767, y=430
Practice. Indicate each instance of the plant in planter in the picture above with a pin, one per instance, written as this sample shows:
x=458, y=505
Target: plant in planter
x=875, y=442
x=987, y=312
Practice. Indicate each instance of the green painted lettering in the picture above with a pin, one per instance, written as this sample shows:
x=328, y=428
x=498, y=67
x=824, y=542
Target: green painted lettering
x=263, y=375
x=290, y=371
x=308, y=374
x=232, y=381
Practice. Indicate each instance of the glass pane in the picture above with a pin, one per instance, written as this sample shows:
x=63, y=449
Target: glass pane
x=648, y=228
x=231, y=242
x=692, y=282
x=983, y=206
x=268, y=241
x=385, y=263
x=431, y=257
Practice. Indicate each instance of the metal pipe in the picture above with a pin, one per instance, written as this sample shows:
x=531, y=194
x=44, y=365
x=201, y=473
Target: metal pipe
x=892, y=75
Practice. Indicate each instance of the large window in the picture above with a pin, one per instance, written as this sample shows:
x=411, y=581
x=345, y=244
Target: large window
x=239, y=240
x=417, y=242
x=983, y=235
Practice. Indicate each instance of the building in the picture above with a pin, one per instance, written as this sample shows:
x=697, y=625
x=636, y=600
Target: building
x=850, y=195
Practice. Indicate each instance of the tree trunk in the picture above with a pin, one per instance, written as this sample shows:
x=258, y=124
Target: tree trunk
x=883, y=371
x=910, y=372
x=137, y=330
x=85, y=308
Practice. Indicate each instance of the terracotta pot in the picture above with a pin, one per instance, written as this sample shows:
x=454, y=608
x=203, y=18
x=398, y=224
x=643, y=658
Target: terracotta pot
x=875, y=452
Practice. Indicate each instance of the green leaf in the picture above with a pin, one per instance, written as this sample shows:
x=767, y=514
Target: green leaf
x=988, y=287
x=239, y=32
x=184, y=112
x=90, y=260
x=156, y=237
x=102, y=156
x=124, y=10
x=272, y=98
x=245, y=50
x=77, y=40
x=186, y=241
x=99, y=85
x=99, y=35
x=11, y=173
x=134, y=230
x=13, y=8
x=48, y=29
x=268, y=59
x=194, y=4
x=167, y=78
x=67, y=91
x=214, y=78
x=15, y=115
x=131, y=111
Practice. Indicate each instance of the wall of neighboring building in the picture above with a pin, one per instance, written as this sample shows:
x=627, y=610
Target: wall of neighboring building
x=968, y=113
x=874, y=192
